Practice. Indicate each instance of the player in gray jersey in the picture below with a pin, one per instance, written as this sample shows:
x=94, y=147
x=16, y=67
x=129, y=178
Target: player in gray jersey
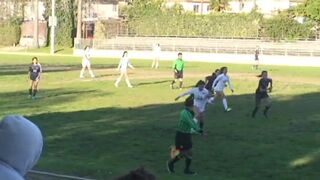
x=35, y=71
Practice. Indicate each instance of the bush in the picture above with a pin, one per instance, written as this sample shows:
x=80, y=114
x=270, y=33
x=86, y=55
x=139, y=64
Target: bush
x=9, y=33
x=284, y=27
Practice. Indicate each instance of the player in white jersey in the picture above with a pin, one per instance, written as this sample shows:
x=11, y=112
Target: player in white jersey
x=123, y=67
x=219, y=84
x=201, y=96
x=156, y=52
x=86, y=63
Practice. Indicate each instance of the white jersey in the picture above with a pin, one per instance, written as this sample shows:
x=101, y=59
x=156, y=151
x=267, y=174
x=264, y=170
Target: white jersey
x=86, y=59
x=156, y=51
x=220, y=82
x=124, y=64
x=200, y=97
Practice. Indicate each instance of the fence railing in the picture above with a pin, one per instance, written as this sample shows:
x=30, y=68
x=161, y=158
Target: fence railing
x=204, y=45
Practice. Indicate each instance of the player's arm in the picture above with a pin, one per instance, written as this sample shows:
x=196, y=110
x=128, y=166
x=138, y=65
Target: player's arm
x=230, y=85
x=194, y=125
x=174, y=66
x=270, y=87
x=184, y=94
x=216, y=81
x=119, y=65
x=130, y=65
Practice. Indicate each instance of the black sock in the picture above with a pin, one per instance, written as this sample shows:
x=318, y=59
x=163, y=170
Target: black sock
x=254, y=111
x=30, y=91
x=266, y=110
x=180, y=85
x=188, y=163
x=34, y=92
x=201, y=125
x=174, y=160
x=172, y=83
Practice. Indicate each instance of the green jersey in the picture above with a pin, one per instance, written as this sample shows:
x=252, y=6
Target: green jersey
x=186, y=123
x=178, y=64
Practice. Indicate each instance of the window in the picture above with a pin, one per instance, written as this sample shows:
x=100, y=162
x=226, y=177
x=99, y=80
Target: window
x=114, y=7
x=196, y=8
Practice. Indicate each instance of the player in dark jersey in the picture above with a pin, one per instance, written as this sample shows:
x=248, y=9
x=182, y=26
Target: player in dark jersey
x=265, y=85
x=35, y=71
x=209, y=80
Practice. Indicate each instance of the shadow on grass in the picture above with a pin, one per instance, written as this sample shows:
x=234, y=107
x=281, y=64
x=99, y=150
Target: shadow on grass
x=106, y=142
x=153, y=82
x=17, y=69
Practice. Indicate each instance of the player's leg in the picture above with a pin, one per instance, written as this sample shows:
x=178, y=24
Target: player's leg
x=257, y=105
x=35, y=88
x=30, y=89
x=188, y=160
x=118, y=79
x=175, y=77
x=157, y=63
x=267, y=106
x=127, y=80
x=90, y=71
x=83, y=69
x=180, y=83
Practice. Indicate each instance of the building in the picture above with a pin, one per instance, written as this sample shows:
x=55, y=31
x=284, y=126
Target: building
x=196, y=6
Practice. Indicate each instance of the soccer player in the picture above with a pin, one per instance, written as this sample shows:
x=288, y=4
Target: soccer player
x=156, y=51
x=256, y=58
x=265, y=85
x=123, y=67
x=86, y=62
x=210, y=79
x=35, y=71
x=200, y=96
x=183, y=142
x=178, y=67
x=219, y=84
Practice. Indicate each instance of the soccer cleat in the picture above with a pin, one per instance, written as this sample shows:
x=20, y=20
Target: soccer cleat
x=170, y=167
x=130, y=86
x=228, y=109
x=33, y=97
x=189, y=172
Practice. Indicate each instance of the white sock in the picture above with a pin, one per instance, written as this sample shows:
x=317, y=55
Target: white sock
x=81, y=73
x=211, y=100
x=128, y=83
x=225, y=104
x=91, y=73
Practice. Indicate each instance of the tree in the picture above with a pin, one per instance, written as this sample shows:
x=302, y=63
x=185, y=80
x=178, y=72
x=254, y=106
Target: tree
x=219, y=5
x=312, y=9
x=36, y=24
x=79, y=18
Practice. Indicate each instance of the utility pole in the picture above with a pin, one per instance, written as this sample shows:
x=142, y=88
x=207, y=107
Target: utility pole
x=52, y=24
x=36, y=24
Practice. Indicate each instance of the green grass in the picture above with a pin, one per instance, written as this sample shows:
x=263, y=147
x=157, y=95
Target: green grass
x=93, y=129
x=58, y=50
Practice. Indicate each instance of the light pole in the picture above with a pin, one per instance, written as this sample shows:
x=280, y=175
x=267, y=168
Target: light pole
x=52, y=24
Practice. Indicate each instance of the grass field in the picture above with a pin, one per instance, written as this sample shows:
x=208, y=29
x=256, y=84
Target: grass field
x=93, y=129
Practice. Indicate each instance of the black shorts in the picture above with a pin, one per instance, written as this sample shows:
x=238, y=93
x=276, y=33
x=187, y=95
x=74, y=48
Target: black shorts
x=183, y=141
x=260, y=96
x=178, y=74
x=34, y=77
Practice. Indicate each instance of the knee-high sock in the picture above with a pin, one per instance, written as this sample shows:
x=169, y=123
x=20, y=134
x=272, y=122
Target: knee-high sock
x=82, y=73
x=91, y=73
x=266, y=110
x=118, y=80
x=225, y=103
x=30, y=91
x=174, y=160
x=188, y=163
x=128, y=83
x=254, y=111
x=180, y=84
x=34, y=92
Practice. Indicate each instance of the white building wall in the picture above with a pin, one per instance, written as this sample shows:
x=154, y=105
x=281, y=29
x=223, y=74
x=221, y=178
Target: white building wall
x=28, y=11
x=105, y=11
x=189, y=6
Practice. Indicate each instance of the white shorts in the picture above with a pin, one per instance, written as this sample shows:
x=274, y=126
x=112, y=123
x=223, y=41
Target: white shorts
x=200, y=106
x=86, y=63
